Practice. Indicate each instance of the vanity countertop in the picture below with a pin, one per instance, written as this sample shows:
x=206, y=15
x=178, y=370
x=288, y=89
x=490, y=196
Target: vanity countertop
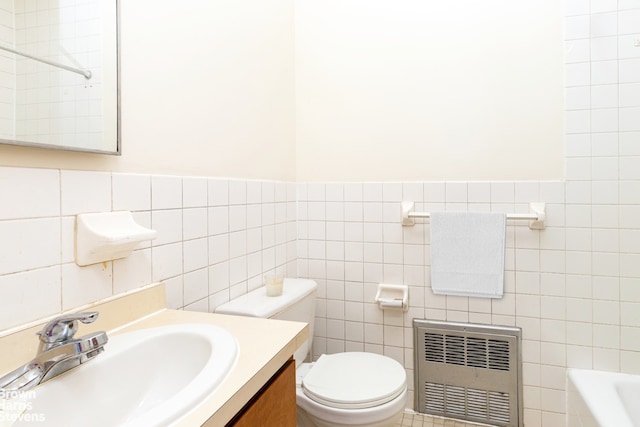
x=264, y=345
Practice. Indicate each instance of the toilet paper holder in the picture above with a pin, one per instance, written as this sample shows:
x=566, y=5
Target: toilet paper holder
x=393, y=297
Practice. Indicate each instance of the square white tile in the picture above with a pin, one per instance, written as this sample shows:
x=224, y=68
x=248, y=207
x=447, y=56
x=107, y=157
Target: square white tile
x=29, y=193
x=166, y=192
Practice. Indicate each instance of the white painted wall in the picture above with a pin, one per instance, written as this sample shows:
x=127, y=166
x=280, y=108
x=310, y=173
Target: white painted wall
x=207, y=89
x=401, y=90
x=414, y=90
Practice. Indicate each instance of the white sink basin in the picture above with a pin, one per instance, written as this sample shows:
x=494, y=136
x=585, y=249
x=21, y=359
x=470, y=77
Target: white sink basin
x=149, y=377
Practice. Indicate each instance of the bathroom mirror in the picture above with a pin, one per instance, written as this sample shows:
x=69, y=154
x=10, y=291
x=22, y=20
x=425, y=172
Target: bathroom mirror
x=59, y=82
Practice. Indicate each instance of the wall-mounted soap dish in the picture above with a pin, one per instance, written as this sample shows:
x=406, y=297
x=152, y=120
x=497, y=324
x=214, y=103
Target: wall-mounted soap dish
x=107, y=236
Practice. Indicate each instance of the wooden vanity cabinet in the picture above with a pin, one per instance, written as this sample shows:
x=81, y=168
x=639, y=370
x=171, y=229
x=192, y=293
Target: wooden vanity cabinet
x=274, y=405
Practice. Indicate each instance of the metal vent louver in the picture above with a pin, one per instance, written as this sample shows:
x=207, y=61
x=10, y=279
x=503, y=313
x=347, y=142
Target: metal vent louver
x=468, y=371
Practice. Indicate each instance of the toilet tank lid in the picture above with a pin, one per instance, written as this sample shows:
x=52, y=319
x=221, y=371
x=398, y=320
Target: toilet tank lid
x=257, y=304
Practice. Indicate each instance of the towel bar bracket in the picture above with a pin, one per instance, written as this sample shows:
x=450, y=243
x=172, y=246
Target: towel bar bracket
x=540, y=210
x=536, y=217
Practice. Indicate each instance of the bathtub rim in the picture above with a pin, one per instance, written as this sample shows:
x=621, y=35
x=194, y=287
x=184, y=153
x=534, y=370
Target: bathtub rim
x=598, y=392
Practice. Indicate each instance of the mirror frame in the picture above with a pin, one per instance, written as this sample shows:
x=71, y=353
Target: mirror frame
x=118, y=150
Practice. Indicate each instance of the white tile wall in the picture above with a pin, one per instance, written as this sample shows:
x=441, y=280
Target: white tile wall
x=7, y=72
x=203, y=254
x=71, y=114
x=573, y=288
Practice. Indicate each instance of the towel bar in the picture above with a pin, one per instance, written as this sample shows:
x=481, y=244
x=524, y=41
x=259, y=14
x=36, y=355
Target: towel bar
x=536, y=218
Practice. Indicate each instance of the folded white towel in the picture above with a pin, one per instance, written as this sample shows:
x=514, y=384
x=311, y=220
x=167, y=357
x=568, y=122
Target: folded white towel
x=467, y=253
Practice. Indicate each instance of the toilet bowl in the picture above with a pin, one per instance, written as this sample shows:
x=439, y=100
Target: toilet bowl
x=350, y=389
x=341, y=389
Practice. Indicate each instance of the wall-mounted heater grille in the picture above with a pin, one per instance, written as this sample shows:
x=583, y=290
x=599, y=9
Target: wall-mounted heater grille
x=468, y=371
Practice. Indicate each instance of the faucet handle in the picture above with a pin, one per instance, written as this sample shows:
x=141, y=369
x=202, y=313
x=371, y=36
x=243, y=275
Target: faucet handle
x=64, y=327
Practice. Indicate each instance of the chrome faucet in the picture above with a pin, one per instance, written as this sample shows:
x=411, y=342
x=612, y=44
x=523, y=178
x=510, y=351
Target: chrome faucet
x=57, y=352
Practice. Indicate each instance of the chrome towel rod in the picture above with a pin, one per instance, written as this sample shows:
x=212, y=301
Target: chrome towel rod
x=536, y=218
x=85, y=73
x=515, y=216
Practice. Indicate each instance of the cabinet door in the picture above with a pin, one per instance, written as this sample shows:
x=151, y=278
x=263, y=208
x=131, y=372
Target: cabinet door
x=275, y=403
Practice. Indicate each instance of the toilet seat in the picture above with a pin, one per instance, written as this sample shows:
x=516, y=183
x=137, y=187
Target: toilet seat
x=354, y=380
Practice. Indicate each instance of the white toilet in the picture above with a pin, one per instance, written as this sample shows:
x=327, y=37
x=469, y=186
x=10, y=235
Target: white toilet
x=343, y=389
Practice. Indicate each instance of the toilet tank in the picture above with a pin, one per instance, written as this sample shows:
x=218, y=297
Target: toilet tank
x=297, y=303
